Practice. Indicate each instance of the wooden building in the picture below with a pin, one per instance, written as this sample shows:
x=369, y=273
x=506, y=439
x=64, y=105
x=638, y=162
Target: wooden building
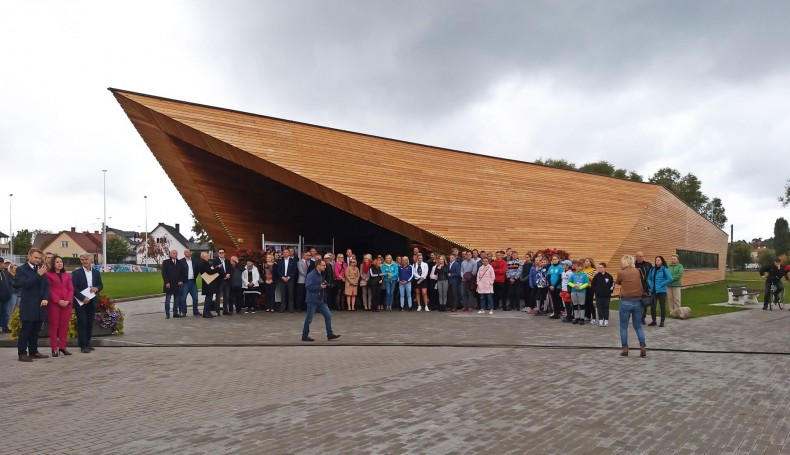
x=244, y=175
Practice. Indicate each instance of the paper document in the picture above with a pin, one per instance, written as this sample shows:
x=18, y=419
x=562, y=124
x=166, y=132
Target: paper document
x=86, y=293
x=208, y=278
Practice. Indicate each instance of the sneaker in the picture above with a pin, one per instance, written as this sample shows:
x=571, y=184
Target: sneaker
x=427, y=309
x=490, y=311
x=593, y=321
x=481, y=312
x=252, y=311
x=245, y=311
x=606, y=323
x=600, y=324
x=419, y=308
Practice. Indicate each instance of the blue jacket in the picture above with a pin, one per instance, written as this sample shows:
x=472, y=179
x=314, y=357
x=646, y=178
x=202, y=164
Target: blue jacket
x=555, y=275
x=538, y=278
x=455, y=272
x=33, y=288
x=405, y=273
x=658, y=281
x=312, y=284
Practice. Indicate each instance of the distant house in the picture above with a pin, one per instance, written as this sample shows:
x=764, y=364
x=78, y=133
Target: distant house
x=5, y=244
x=69, y=244
x=134, y=238
x=177, y=242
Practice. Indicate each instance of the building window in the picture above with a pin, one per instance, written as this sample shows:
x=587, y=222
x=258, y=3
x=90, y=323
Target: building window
x=698, y=260
x=75, y=255
x=64, y=243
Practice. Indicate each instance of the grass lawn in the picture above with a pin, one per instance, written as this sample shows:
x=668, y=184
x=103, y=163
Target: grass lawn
x=700, y=298
x=121, y=285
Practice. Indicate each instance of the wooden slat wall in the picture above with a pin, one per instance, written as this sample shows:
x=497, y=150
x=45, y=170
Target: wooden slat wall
x=469, y=200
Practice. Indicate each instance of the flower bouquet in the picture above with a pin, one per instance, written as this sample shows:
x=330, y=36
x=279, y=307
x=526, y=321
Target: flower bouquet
x=108, y=315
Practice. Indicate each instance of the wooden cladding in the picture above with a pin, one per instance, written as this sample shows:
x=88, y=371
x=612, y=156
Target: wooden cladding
x=439, y=197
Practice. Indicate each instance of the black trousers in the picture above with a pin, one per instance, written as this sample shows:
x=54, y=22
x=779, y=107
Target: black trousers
x=529, y=294
x=375, y=293
x=236, y=299
x=85, y=317
x=300, y=296
x=661, y=298
x=499, y=296
x=589, y=307
x=224, y=291
x=287, y=295
x=513, y=291
x=27, y=344
x=556, y=301
x=249, y=299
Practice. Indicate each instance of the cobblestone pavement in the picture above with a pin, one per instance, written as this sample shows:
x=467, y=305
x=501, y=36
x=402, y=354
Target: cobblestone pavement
x=234, y=386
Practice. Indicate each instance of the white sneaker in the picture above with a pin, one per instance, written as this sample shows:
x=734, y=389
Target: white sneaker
x=490, y=311
x=426, y=308
x=481, y=312
x=600, y=324
x=419, y=308
x=593, y=321
x=606, y=323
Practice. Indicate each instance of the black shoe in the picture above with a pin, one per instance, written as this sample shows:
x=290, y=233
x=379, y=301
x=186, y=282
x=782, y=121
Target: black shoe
x=553, y=316
x=85, y=351
x=208, y=316
x=661, y=325
x=196, y=314
x=65, y=352
x=226, y=313
x=54, y=353
x=334, y=336
x=307, y=339
x=575, y=321
x=566, y=320
x=176, y=315
x=167, y=316
x=25, y=358
x=652, y=324
x=38, y=355
x=91, y=348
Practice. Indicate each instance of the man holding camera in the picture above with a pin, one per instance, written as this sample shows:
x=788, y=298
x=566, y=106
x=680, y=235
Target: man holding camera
x=315, y=288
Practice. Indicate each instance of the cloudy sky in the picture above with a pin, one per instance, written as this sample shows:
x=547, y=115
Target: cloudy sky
x=700, y=86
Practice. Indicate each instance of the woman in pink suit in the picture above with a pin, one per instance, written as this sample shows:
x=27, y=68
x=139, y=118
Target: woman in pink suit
x=61, y=291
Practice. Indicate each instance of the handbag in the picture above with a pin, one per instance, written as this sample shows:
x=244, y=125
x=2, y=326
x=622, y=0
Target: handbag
x=647, y=300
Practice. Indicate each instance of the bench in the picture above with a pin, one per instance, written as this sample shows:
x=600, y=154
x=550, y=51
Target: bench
x=738, y=294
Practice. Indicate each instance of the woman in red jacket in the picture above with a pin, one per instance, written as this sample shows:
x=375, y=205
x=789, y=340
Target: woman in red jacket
x=61, y=291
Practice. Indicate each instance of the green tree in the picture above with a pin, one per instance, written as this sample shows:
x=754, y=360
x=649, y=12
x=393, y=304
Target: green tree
x=634, y=177
x=667, y=177
x=766, y=257
x=117, y=248
x=785, y=200
x=781, y=236
x=741, y=253
x=559, y=164
x=200, y=231
x=23, y=241
x=599, y=168
x=714, y=211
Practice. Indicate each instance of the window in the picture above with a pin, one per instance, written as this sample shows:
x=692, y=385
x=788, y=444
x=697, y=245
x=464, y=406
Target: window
x=698, y=260
x=75, y=255
x=64, y=243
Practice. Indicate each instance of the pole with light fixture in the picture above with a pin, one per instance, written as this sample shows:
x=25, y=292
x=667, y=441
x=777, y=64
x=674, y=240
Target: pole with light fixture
x=10, y=226
x=104, y=227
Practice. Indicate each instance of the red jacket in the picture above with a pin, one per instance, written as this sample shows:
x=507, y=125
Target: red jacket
x=60, y=287
x=500, y=269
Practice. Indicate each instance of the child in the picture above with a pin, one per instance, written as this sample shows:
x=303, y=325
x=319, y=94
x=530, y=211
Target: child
x=566, y=296
x=602, y=286
x=541, y=286
x=579, y=284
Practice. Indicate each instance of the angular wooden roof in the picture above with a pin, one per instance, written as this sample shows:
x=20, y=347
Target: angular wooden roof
x=466, y=199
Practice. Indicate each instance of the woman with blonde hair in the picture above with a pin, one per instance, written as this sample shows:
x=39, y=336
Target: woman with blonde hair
x=352, y=283
x=630, y=281
x=364, y=280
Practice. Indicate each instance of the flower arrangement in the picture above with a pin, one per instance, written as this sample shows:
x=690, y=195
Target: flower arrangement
x=108, y=315
x=255, y=254
x=549, y=252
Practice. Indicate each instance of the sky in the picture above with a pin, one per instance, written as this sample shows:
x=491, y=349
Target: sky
x=703, y=87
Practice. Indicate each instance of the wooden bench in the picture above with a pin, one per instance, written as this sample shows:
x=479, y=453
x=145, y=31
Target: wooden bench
x=738, y=294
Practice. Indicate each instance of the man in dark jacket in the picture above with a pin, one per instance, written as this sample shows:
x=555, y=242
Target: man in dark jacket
x=172, y=278
x=315, y=298
x=773, y=275
x=236, y=298
x=209, y=289
x=32, y=282
x=644, y=269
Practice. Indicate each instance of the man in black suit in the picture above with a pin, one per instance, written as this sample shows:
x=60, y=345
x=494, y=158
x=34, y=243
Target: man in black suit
x=287, y=274
x=190, y=270
x=172, y=277
x=209, y=289
x=34, y=288
x=86, y=281
x=224, y=268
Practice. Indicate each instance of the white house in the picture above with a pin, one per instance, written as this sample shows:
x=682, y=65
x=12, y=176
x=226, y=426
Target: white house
x=161, y=234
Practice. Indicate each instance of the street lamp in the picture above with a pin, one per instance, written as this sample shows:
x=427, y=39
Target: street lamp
x=145, y=258
x=10, y=226
x=104, y=226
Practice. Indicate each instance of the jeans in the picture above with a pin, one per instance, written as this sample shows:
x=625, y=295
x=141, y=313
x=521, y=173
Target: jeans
x=455, y=295
x=6, y=309
x=189, y=288
x=176, y=301
x=405, y=290
x=631, y=308
x=441, y=287
x=486, y=301
x=308, y=318
x=469, y=296
x=85, y=319
x=390, y=290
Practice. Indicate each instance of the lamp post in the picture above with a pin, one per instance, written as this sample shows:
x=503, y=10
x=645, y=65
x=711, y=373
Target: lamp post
x=10, y=226
x=145, y=257
x=104, y=226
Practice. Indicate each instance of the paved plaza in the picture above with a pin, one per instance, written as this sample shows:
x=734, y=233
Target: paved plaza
x=405, y=383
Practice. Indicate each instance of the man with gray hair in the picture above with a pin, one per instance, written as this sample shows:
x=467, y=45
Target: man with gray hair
x=87, y=285
x=173, y=282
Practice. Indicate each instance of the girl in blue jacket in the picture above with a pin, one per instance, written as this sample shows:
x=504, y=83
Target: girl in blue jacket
x=658, y=278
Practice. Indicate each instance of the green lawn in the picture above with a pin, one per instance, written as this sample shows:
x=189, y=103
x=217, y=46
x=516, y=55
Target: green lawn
x=121, y=285
x=700, y=298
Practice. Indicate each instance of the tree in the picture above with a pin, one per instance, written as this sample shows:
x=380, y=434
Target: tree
x=117, y=248
x=599, y=167
x=667, y=177
x=714, y=212
x=23, y=241
x=200, y=231
x=785, y=200
x=766, y=257
x=634, y=177
x=741, y=253
x=157, y=250
x=781, y=236
x=559, y=164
